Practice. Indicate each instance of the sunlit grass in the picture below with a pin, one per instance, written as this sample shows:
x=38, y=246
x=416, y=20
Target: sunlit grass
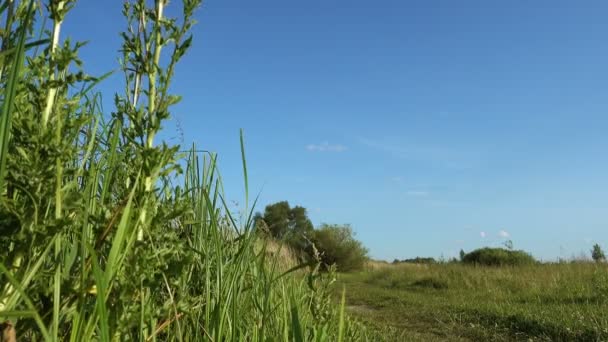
x=540, y=302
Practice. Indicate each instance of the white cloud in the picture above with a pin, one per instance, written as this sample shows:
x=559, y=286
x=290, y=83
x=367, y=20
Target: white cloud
x=504, y=234
x=397, y=179
x=326, y=147
x=418, y=193
x=482, y=234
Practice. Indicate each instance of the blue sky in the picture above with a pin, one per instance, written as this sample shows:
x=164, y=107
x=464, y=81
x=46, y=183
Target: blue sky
x=429, y=126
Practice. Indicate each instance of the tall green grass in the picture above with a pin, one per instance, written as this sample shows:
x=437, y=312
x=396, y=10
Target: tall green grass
x=109, y=235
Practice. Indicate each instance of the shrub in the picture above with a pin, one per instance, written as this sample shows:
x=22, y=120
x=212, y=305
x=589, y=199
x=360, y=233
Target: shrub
x=498, y=257
x=417, y=260
x=337, y=245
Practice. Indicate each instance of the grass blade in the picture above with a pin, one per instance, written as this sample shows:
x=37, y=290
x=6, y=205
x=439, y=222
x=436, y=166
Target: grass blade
x=245, y=170
x=117, y=252
x=28, y=302
x=101, y=285
x=9, y=95
x=341, y=321
x=296, y=327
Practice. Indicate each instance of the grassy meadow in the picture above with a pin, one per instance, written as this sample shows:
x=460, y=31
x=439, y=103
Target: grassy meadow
x=455, y=302
x=108, y=233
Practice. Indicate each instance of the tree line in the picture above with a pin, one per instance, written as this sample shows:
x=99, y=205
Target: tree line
x=331, y=244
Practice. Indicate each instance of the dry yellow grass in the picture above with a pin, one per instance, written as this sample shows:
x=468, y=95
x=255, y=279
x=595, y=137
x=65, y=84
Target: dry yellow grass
x=281, y=254
x=373, y=265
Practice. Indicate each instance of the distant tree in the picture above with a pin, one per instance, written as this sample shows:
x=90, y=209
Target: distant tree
x=337, y=245
x=508, y=244
x=462, y=254
x=597, y=253
x=286, y=223
x=419, y=260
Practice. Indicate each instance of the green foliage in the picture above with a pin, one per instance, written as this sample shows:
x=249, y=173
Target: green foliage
x=498, y=257
x=597, y=253
x=416, y=260
x=286, y=223
x=109, y=235
x=336, y=244
x=332, y=244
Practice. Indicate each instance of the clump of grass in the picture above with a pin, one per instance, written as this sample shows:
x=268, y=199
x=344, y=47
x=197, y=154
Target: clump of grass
x=107, y=234
x=430, y=283
x=600, y=284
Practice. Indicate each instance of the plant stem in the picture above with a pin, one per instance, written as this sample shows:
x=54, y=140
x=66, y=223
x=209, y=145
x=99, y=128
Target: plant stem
x=8, y=288
x=152, y=125
x=54, y=43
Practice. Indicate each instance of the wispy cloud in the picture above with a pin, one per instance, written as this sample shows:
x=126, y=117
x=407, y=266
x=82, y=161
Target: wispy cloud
x=397, y=180
x=504, y=234
x=447, y=156
x=418, y=193
x=482, y=234
x=326, y=147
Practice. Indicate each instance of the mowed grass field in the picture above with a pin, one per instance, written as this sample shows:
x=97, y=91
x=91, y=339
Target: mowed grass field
x=455, y=302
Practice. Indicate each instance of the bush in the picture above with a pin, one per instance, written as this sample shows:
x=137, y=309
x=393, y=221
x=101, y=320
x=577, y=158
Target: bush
x=498, y=257
x=419, y=260
x=337, y=245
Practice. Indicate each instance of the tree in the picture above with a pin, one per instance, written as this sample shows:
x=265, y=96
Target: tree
x=286, y=223
x=597, y=253
x=462, y=254
x=337, y=245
